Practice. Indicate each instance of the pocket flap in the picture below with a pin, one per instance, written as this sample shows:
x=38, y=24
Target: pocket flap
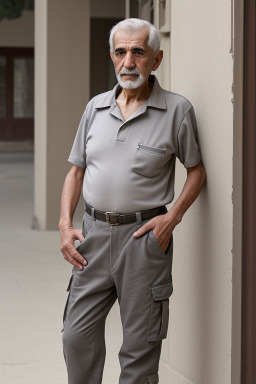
x=162, y=292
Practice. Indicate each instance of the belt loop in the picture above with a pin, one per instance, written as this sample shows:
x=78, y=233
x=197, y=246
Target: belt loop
x=138, y=218
x=92, y=213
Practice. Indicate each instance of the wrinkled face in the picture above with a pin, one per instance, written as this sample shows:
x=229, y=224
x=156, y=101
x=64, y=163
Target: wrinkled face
x=133, y=58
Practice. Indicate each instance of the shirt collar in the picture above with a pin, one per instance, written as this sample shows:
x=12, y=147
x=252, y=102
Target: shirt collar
x=155, y=100
x=157, y=95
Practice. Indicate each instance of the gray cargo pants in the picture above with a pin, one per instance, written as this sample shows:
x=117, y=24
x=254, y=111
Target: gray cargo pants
x=138, y=273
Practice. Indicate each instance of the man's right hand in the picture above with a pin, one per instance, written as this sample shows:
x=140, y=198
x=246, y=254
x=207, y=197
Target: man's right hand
x=68, y=235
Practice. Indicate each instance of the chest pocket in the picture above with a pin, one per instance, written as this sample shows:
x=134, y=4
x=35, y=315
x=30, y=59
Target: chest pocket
x=148, y=160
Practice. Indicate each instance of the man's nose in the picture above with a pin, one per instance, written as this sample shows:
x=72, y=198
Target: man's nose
x=129, y=60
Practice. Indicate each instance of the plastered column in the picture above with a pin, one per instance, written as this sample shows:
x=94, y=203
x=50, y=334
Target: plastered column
x=62, y=92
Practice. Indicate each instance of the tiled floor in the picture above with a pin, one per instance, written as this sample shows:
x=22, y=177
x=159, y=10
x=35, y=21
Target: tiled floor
x=33, y=278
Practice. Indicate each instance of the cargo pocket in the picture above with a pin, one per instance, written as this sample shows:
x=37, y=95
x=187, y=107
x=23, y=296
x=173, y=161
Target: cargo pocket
x=159, y=312
x=152, y=379
x=67, y=302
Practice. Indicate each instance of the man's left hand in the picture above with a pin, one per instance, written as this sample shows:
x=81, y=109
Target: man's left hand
x=162, y=228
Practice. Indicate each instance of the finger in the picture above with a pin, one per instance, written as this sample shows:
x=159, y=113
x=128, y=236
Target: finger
x=72, y=261
x=72, y=255
x=76, y=256
x=145, y=228
x=79, y=235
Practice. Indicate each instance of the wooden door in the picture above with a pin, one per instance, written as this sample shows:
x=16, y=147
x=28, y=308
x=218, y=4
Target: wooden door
x=16, y=94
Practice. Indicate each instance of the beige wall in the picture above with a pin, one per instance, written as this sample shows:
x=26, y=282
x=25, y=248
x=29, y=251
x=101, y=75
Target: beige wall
x=199, y=346
x=62, y=92
x=18, y=32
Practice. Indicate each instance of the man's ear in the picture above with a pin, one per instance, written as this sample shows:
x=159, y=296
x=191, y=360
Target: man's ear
x=111, y=55
x=157, y=60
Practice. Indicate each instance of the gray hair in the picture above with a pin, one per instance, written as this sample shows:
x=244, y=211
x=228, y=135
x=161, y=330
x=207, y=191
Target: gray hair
x=154, y=38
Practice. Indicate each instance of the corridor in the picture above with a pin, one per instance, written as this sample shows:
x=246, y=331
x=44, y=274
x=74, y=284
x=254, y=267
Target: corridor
x=34, y=278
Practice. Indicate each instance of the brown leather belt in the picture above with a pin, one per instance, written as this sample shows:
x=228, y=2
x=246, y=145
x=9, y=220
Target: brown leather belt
x=114, y=218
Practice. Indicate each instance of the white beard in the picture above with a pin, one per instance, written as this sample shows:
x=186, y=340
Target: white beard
x=130, y=84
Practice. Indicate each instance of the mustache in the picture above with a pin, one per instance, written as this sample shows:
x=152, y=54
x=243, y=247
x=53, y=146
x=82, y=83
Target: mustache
x=133, y=71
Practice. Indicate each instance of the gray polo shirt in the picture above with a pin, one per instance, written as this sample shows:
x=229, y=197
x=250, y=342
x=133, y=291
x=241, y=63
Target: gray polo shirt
x=130, y=164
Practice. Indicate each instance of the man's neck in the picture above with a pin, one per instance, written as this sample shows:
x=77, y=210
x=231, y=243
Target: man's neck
x=142, y=93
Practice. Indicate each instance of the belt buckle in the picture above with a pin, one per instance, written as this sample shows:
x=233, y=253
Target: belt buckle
x=111, y=214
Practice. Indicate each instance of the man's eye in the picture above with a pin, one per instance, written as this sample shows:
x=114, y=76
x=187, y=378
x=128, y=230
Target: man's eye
x=119, y=53
x=139, y=53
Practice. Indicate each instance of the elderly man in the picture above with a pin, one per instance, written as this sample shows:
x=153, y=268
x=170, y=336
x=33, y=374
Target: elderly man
x=124, y=157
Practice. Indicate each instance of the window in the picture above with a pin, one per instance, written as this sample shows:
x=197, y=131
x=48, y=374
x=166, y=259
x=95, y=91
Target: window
x=157, y=12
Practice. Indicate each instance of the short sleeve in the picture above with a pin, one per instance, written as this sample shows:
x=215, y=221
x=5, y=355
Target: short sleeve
x=78, y=152
x=188, y=147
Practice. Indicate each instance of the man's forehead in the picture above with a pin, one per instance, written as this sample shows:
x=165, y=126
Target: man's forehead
x=134, y=38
